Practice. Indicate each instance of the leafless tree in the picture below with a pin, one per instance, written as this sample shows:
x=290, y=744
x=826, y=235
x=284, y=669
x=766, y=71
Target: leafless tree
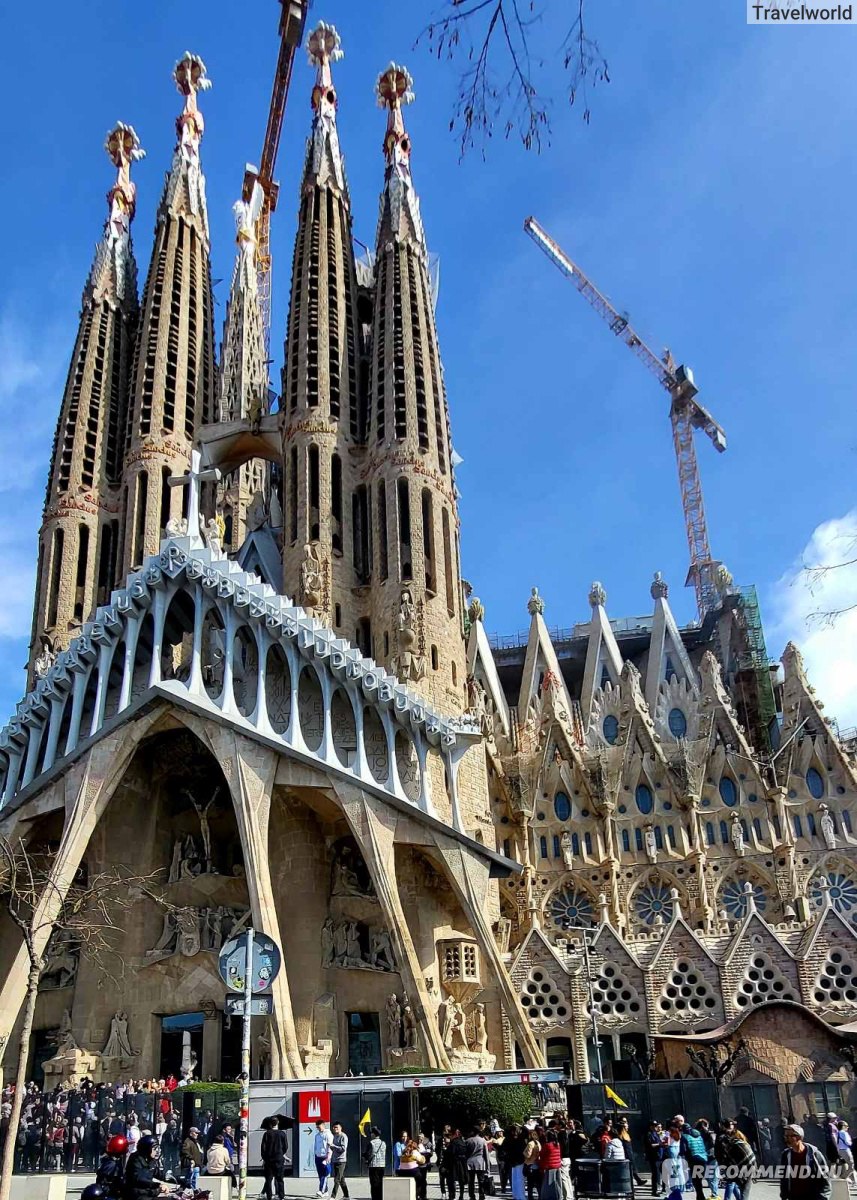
x=85, y=911
x=819, y=575
x=503, y=78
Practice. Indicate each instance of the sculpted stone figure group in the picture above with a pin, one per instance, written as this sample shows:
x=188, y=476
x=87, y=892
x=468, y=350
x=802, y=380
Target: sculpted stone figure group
x=187, y=930
x=342, y=945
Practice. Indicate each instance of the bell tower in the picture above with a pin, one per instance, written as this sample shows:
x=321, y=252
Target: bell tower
x=326, y=556
x=416, y=601
x=79, y=537
x=173, y=380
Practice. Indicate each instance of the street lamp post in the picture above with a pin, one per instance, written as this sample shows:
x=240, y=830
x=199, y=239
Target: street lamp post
x=585, y=934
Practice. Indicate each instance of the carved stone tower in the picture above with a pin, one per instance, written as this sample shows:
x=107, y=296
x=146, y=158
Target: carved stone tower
x=173, y=382
x=326, y=539
x=243, y=379
x=416, y=597
x=79, y=537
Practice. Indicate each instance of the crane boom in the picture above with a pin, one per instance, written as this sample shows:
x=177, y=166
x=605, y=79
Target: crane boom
x=292, y=21
x=686, y=414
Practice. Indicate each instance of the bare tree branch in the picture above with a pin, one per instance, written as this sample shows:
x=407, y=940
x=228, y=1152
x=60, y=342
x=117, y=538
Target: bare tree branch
x=501, y=80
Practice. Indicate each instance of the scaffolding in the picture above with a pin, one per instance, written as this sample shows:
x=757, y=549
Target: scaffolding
x=754, y=671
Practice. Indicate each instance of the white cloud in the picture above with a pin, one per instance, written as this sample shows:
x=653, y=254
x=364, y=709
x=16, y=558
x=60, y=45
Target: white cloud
x=803, y=603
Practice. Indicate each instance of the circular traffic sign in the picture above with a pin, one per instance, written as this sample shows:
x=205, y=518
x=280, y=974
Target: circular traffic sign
x=264, y=967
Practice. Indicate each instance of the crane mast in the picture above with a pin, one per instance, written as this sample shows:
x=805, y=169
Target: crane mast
x=292, y=21
x=686, y=415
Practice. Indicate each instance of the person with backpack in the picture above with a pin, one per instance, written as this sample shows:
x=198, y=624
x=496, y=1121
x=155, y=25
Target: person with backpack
x=805, y=1175
x=111, y=1170
x=695, y=1153
x=735, y=1156
x=375, y=1157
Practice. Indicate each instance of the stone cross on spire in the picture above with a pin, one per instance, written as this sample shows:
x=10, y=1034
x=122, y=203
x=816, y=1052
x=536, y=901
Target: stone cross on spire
x=123, y=147
x=190, y=77
x=393, y=90
x=323, y=48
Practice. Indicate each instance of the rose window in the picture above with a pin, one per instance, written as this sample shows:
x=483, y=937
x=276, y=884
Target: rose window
x=653, y=900
x=734, y=899
x=842, y=890
x=570, y=906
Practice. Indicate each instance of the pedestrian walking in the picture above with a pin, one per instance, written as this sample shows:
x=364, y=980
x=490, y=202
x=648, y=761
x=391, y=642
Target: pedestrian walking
x=321, y=1149
x=375, y=1157
x=712, y=1171
x=654, y=1154
x=736, y=1159
x=339, y=1159
x=845, y=1151
x=625, y=1137
x=274, y=1148
x=805, y=1175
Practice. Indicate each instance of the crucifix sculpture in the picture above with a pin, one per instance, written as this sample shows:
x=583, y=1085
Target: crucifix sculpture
x=192, y=480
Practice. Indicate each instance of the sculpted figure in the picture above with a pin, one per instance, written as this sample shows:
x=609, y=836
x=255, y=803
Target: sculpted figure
x=340, y=944
x=187, y=926
x=214, y=536
x=327, y=943
x=828, y=828
x=480, y=1029
x=567, y=852
x=45, y=659
x=118, y=1045
x=381, y=951
x=650, y=843
x=393, y=1014
x=354, y=953
x=409, y=1025
x=737, y=835
x=176, y=527
x=312, y=577
x=166, y=943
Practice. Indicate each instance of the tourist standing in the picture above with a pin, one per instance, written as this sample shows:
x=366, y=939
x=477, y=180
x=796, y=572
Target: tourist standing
x=410, y=1161
x=625, y=1137
x=513, y=1151
x=274, y=1146
x=456, y=1170
x=322, y=1153
x=532, y=1171
x=339, y=1159
x=550, y=1165
x=806, y=1175
x=478, y=1164
x=192, y=1156
x=375, y=1157
x=399, y=1149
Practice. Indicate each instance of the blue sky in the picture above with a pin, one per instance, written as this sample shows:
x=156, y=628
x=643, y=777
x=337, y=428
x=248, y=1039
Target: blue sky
x=712, y=196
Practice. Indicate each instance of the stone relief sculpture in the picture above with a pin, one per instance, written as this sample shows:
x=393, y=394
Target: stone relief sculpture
x=409, y=1028
x=349, y=876
x=312, y=578
x=62, y=959
x=407, y=663
x=45, y=659
x=828, y=827
x=176, y=527
x=452, y=1024
x=118, y=1045
x=187, y=930
x=66, y=1040
x=204, y=828
x=351, y=944
x=650, y=844
x=737, y=835
x=319, y=1056
x=479, y=704
x=213, y=535
x=480, y=1030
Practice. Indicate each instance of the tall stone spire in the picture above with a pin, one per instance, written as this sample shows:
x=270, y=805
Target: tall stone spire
x=173, y=384
x=410, y=467
x=78, y=541
x=326, y=537
x=243, y=378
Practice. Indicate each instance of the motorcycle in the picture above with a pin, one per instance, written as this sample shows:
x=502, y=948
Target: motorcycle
x=184, y=1191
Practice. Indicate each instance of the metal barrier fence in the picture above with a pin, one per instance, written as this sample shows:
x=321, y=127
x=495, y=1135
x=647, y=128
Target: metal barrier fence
x=68, y=1131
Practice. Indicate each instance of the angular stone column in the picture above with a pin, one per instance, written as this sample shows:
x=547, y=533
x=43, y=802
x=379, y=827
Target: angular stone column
x=250, y=770
x=84, y=793
x=373, y=824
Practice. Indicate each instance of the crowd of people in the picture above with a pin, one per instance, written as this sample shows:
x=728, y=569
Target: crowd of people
x=69, y=1129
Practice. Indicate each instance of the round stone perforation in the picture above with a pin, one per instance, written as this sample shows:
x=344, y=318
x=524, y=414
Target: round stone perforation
x=763, y=981
x=616, y=1001
x=686, y=995
x=540, y=999
x=837, y=982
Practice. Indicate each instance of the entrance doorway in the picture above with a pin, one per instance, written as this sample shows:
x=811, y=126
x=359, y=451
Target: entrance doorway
x=364, y=1043
x=176, y=1033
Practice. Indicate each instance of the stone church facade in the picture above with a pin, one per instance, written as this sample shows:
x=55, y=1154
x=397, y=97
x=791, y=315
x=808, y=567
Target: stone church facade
x=257, y=672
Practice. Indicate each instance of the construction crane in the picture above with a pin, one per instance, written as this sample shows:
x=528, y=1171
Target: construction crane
x=686, y=414
x=292, y=21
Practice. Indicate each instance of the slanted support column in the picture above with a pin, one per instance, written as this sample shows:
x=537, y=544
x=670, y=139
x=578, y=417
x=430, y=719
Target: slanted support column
x=81, y=680
x=105, y=658
x=250, y=770
x=469, y=876
x=57, y=708
x=16, y=758
x=373, y=825
x=84, y=791
x=132, y=633
x=159, y=615
x=33, y=744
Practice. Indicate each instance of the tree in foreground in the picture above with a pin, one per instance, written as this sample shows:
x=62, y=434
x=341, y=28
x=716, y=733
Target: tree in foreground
x=507, y=60
x=85, y=912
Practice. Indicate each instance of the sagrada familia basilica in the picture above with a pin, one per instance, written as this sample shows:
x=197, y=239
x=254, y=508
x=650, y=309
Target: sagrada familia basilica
x=256, y=671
